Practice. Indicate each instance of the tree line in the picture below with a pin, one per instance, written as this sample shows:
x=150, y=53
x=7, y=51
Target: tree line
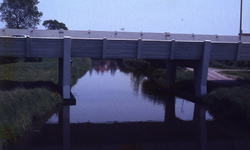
x=24, y=14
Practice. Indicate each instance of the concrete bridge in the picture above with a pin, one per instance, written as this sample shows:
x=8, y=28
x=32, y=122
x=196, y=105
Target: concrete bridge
x=189, y=50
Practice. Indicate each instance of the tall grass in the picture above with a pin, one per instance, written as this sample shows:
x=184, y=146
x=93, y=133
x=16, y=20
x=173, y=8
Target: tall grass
x=20, y=106
x=78, y=69
x=20, y=103
x=47, y=70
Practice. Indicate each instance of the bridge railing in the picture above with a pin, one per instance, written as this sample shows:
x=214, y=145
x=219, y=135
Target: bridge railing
x=122, y=35
x=121, y=48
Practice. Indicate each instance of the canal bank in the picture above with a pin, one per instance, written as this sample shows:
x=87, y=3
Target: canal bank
x=28, y=91
x=119, y=110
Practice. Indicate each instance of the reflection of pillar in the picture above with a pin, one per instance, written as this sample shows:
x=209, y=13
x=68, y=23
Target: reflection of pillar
x=200, y=123
x=201, y=71
x=65, y=127
x=170, y=109
x=171, y=72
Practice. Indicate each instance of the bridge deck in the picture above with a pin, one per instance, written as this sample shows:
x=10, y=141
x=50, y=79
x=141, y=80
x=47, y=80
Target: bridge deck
x=122, y=48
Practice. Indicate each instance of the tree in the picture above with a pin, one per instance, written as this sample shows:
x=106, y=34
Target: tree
x=20, y=14
x=54, y=25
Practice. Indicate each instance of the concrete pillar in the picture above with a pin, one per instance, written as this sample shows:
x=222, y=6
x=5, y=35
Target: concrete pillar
x=64, y=67
x=171, y=72
x=201, y=71
x=200, y=124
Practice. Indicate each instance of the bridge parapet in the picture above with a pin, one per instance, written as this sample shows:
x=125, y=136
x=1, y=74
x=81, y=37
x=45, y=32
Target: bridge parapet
x=122, y=48
x=122, y=35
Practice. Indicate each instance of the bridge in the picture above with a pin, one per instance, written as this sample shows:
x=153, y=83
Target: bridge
x=188, y=50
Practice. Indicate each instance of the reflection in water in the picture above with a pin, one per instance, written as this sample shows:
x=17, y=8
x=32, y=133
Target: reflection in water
x=173, y=134
x=109, y=115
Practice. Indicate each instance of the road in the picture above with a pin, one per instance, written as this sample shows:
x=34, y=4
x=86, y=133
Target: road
x=213, y=74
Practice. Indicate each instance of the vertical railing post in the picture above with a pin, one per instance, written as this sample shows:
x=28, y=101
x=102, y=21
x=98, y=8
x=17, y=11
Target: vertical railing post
x=66, y=67
x=201, y=71
x=139, y=49
x=238, y=51
x=172, y=49
x=104, y=48
x=27, y=47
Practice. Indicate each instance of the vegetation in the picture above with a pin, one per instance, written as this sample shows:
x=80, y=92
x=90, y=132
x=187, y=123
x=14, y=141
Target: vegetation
x=228, y=64
x=20, y=106
x=155, y=72
x=230, y=107
x=20, y=14
x=241, y=75
x=79, y=68
x=28, y=91
x=54, y=25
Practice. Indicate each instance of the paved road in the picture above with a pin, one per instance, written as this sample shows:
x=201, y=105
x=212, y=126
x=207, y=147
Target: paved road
x=213, y=74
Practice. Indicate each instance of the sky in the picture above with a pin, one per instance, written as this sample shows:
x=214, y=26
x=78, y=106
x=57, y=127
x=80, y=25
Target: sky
x=220, y=17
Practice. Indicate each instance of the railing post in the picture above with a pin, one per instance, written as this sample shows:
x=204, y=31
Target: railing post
x=139, y=49
x=172, y=49
x=104, y=48
x=238, y=51
x=27, y=47
x=201, y=71
x=66, y=67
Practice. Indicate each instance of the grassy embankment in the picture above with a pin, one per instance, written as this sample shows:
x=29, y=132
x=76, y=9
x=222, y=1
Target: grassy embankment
x=29, y=90
x=154, y=72
x=228, y=105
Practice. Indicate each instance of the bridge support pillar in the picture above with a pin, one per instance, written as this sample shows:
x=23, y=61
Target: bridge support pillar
x=201, y=71
x=64, y=68
x=171, y=72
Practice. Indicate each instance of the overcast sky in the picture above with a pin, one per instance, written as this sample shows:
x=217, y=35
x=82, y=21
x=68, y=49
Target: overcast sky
x=175, y=16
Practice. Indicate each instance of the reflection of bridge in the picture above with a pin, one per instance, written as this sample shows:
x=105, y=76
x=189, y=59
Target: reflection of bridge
x=187, y=49
x=172, y=134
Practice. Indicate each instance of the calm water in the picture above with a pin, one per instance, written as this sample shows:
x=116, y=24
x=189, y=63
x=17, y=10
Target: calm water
x=106, y=95
x=117, y=110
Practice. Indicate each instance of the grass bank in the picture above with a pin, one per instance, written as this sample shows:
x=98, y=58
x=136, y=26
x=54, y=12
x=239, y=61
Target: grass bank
x=28, y=90
x=154, y=71
x=229, y=64
x=19, y=107
x=239, y=75
x=230, y=108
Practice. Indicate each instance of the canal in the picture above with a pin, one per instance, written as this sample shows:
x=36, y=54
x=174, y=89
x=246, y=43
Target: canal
x=121, y=109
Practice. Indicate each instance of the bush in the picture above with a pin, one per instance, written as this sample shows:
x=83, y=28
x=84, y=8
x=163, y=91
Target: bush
x=33, y=59
x=5, y=60
x=229, y=64
x=230, y=103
